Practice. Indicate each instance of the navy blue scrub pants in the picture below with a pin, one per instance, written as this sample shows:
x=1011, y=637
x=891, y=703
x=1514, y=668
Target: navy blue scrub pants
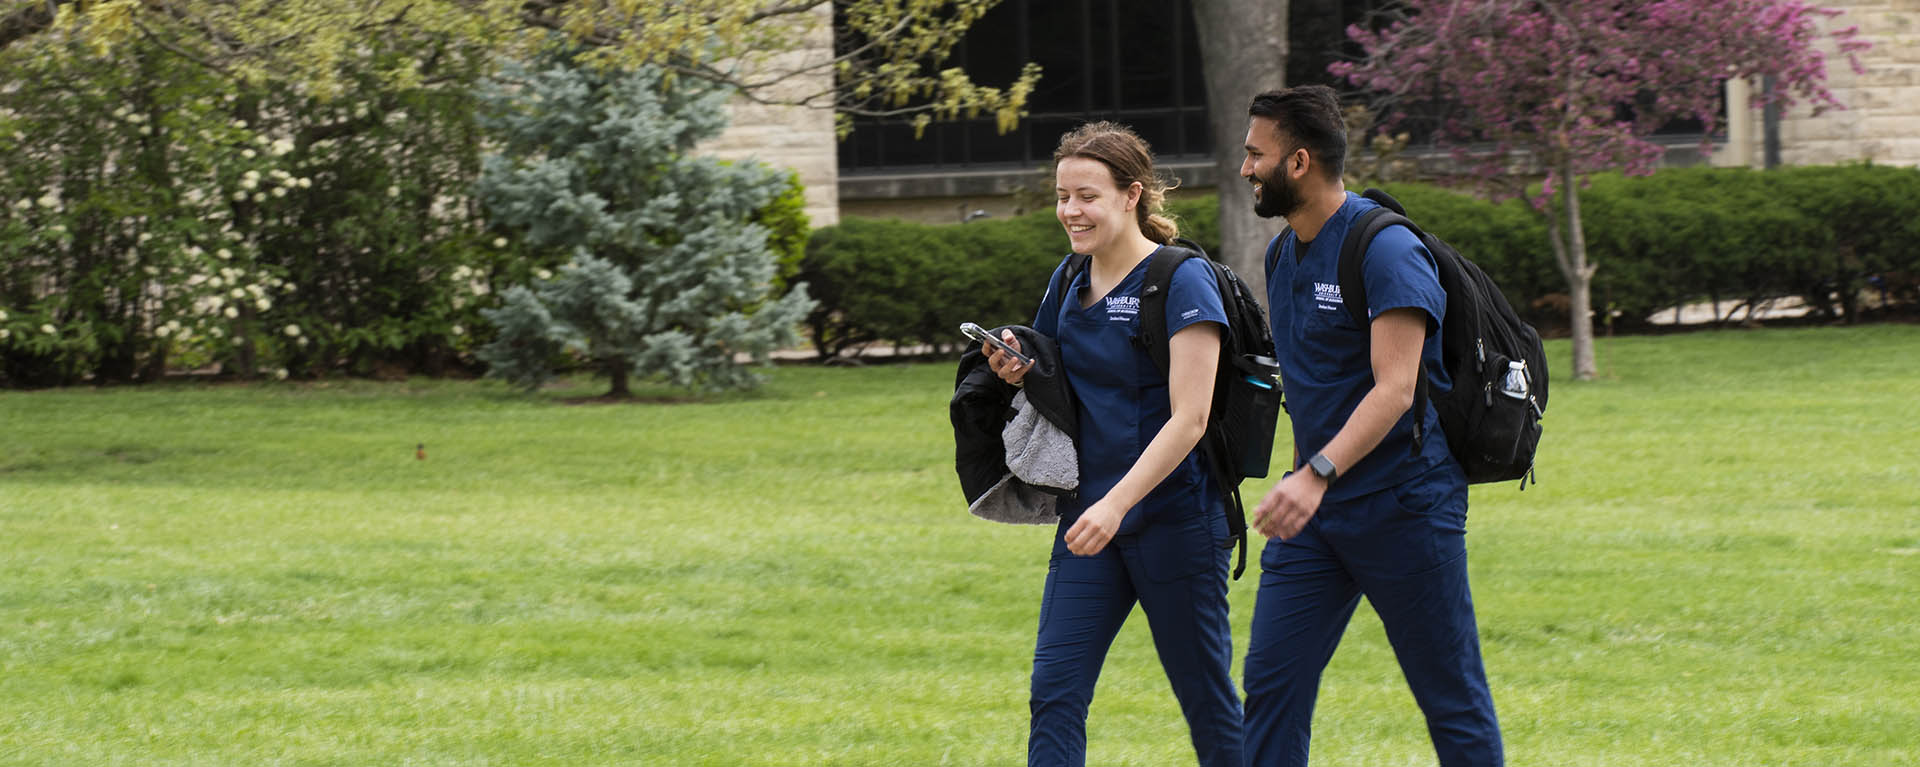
x=1405, y=549
x=1177, y=571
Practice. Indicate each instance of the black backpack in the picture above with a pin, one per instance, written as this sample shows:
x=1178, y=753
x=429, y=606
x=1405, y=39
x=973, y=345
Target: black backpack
x=1246, y=387
x=1491, y=418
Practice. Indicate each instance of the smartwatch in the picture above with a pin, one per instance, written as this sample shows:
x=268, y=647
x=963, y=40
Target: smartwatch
x=1323, y=467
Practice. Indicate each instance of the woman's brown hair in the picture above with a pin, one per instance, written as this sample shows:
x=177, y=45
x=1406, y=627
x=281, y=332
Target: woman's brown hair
x=1130, y=160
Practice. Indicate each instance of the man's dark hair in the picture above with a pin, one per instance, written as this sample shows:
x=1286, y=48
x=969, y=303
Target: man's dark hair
x=1309, y=116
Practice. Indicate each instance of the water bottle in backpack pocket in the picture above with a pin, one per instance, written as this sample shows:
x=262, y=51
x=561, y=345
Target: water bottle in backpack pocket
x=1502, y=423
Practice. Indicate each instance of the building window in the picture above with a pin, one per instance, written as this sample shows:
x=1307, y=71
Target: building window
x=1317, y=37
x=1135, y=62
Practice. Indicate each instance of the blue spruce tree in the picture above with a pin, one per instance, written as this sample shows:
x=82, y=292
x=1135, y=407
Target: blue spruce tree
x=669, y=278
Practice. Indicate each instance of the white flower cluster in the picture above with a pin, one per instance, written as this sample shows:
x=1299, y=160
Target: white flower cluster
x=476, y=283
x=230, y=288
x=278, y=182
x=220, y=290
x=134, y=118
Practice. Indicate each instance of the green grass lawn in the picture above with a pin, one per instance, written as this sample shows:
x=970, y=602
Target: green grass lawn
x=1720, y=566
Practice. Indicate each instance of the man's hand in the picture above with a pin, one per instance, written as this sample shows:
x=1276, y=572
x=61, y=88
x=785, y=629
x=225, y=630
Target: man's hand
x=1095, y=527
x=1288, y=506
x=1397, y=335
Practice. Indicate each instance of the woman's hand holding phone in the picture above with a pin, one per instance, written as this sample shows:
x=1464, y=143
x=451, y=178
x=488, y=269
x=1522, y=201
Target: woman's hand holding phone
x=1007, y=366
x=1003, y=353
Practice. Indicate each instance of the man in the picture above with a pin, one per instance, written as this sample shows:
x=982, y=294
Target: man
x=1362, y=513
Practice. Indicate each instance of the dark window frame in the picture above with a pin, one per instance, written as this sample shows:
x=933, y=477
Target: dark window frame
x=1098, y=39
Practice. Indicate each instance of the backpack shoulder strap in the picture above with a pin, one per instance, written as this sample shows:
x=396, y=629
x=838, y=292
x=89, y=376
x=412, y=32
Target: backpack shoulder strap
x=1386, y=200
x=1182, y=242
x=1153, y=298
x=1353, y=284
x=1273, y=251
x=1353, y=249
x=1153, y=328
x=1074, y=264
x=1353, y=256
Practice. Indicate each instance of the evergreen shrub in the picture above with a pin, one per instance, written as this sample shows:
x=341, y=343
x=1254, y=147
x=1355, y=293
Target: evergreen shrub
x=669, y=272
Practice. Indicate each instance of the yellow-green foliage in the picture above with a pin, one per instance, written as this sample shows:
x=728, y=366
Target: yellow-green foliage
x=787, y=227
x=306, y=44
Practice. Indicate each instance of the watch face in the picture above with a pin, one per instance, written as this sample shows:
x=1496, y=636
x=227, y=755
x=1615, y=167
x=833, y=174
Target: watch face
x=1321, y=466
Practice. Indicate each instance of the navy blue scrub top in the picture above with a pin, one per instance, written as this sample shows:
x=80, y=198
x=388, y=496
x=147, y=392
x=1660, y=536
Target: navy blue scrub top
x=1325, y=362
x=1123, y=395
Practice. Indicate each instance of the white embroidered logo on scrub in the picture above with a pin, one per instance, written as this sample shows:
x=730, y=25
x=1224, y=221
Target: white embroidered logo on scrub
x=1122, y=308
x=1189, y=314
x=1324, y=294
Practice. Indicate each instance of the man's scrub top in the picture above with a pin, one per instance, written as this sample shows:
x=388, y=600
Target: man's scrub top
x=1325, y=361
x=1122, y=395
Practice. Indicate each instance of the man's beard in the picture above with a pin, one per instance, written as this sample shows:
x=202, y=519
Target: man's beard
x=1277, y=197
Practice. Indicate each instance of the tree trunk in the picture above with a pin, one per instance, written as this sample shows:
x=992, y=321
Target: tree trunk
x=1579, y=283
x=1243, y=46
x=246, y=360
x=1570, y=253
x=617, y=371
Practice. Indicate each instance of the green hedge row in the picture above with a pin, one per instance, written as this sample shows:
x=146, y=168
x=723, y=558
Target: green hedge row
x=899, y=282
x=1822, y=234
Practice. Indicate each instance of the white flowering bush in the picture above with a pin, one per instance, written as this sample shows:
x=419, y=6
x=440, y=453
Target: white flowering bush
x=388, y=249
x=157, y=217
x=667, y=273
x=120, y=246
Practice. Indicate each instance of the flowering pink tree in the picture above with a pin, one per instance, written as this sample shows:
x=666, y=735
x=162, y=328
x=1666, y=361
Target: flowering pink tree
x=1579, y=86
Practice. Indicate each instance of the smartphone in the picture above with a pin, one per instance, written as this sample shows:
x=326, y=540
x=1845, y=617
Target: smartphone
x=980, y=334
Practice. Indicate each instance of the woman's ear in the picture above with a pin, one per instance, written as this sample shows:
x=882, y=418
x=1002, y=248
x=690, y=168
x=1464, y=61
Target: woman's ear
x=1134, y=191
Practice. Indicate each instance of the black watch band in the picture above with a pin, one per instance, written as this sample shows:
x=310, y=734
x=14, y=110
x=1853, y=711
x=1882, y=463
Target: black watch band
x=1323, y=467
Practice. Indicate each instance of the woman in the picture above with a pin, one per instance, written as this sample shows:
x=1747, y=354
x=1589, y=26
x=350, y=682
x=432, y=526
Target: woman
x=1147, y=525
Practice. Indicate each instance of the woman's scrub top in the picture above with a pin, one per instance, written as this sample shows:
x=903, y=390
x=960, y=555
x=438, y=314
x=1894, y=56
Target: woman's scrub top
x=1122, y=395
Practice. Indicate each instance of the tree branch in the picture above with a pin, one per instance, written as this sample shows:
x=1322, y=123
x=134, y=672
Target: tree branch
x=156, y=39
x=803, y=6
x=28, y=21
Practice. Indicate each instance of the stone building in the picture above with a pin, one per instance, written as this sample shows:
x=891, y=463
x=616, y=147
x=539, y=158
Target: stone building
x=799, y=138
x=1881, y=122
x=1094, y=69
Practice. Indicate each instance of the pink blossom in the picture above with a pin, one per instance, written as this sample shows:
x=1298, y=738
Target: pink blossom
x=1551, y=77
